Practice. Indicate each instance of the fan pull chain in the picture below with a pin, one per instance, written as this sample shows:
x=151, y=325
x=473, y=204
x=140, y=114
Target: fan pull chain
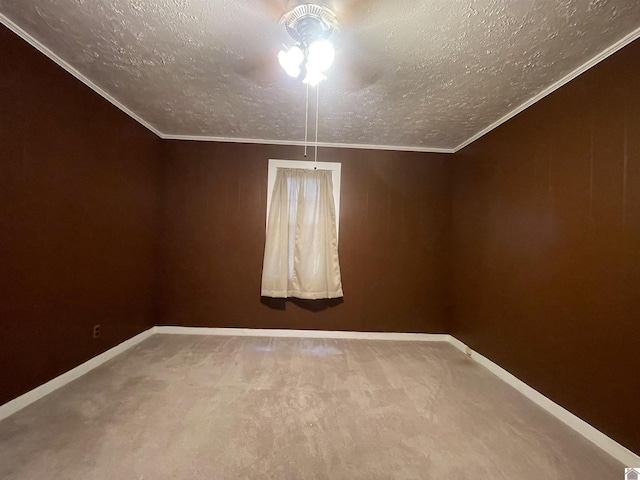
x=317, y=113
x=306, y=122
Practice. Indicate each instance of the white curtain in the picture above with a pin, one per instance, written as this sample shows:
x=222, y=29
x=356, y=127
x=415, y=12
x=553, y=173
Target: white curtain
x=301, y=250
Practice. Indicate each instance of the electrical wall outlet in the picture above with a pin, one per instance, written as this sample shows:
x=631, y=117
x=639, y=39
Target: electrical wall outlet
x=96, y=331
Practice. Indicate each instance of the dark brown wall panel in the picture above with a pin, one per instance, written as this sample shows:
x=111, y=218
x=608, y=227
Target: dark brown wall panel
x=78, y=221
x=546, y=246
x=394, y=224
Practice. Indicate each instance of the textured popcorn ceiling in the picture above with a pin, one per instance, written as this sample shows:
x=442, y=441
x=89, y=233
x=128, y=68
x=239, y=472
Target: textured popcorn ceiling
x=426, y=74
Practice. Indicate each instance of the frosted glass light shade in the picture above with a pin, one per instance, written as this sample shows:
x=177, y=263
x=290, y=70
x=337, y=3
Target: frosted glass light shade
x=313, y=77
x=290, y=60
x=321, y=55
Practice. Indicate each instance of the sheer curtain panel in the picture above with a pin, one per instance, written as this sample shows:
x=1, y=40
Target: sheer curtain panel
x=301, y=249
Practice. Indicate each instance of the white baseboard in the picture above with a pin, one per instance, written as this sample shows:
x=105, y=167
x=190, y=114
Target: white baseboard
x=267, y=332
x=598, y=438
x=613, y=448
x=37, y=393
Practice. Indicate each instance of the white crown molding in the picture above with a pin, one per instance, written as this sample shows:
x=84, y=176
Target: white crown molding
x=73, y=71
x=595, y=436
x=598, y=438
x=297, y=143
x=37, y=393
x=607, y=52
x=401, y=148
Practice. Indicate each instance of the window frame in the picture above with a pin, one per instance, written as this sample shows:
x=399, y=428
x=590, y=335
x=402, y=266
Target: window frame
x=336, y=174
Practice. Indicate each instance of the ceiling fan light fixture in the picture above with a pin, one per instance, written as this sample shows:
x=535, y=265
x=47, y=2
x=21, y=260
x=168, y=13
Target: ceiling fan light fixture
x=309, y=20
x=290, y=60
x=309, y=25
x=320, y=56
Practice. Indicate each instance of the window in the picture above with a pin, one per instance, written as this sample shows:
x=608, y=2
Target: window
x=333, y=167
x=301, y=247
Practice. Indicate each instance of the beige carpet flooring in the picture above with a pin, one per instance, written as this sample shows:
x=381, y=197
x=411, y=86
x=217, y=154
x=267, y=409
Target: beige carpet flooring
x=204, y=407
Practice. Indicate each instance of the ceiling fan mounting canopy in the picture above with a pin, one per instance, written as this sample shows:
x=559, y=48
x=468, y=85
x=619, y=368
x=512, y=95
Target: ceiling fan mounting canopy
x=309, y=22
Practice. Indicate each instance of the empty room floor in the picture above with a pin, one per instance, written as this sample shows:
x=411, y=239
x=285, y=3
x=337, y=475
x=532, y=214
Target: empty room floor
x=218, y=407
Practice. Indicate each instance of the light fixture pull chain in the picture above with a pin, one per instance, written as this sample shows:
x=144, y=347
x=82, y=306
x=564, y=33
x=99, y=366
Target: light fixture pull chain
x=306, y=123
x=317, y=113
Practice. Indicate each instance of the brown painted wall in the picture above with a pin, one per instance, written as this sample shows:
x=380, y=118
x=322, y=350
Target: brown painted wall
x=394, y=225
x=546, y=246
x=78, y=215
